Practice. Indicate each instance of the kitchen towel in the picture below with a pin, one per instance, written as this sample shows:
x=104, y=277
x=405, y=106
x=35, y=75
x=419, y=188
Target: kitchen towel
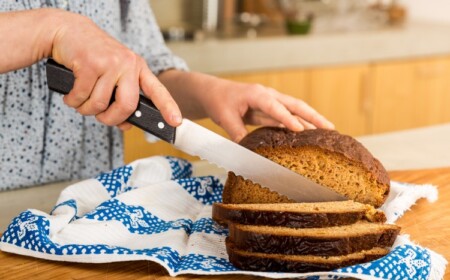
x=154, y=209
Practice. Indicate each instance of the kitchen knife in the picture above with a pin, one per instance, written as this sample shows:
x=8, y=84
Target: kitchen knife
x=199, y=141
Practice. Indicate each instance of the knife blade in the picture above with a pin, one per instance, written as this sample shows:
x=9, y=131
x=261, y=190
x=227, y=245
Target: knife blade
x=198, y=141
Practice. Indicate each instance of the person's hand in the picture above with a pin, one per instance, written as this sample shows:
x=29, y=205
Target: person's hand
x=100, y=63
x=233, y=104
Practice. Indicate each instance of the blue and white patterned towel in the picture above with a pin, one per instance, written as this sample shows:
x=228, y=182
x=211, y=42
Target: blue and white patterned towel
x=153, y=209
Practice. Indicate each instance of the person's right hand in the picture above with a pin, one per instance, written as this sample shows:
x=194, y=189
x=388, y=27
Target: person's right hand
x=100, y=63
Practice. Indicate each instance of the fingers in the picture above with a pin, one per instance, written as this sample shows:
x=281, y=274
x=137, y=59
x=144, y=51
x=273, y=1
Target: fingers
x=233, y=124
x=269, y=107
x=99, y=98
x=92, y=93
x=84, y=84
x=305, y=113
x=126, y=99
x=306, y=125
x=267, y=102
x=159, y=95
x=259, y=118
x=100, y=63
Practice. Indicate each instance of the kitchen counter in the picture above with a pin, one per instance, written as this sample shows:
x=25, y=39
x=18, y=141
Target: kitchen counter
x=427, y=147
x=414, y=39
x=432, y=216
x=422, y=148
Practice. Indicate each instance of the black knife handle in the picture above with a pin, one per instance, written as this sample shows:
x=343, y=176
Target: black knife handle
x=146, y=116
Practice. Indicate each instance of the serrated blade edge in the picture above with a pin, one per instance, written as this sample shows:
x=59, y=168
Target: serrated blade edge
x=199, y=141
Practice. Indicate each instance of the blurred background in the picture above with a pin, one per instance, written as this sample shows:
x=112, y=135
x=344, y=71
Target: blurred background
x=231, y=18
x=369, y=66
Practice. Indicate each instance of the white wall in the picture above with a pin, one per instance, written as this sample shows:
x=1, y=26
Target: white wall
x=434, y=10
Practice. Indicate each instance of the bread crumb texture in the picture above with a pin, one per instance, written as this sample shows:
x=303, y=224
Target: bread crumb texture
x=327, y=157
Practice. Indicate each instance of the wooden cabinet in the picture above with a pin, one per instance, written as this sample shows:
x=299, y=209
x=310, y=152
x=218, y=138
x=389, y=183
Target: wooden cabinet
x=408, y=94
x=342, y=95
x=292, y=82
x=359, y=99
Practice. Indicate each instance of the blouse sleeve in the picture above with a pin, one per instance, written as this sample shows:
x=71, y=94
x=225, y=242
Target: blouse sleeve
x=141, y=33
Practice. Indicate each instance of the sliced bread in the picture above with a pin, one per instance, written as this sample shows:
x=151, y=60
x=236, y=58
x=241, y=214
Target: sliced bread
x=297, y=263
x=329, y=241
x=297, y=215
x=325, y=156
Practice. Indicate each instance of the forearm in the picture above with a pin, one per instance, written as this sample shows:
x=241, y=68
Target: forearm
x=191, y=90
x=27, y=36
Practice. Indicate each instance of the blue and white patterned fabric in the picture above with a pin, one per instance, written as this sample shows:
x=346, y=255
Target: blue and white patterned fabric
x=153, y=209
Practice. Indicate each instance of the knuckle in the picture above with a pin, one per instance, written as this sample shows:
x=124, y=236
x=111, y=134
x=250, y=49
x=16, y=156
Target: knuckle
x=110, y=61
x=99, y=105
x=140, y=60
x=156, y=89
x=270, y=106
x=257, y=88
x=124, y=59
x=129, y=56
x=115, y=60
x=97, y=65
x=81, y=111
x=165, y=108
x=79, y=96
x=128, y=108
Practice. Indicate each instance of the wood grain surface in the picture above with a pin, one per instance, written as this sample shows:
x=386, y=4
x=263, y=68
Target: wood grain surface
x=427, y=223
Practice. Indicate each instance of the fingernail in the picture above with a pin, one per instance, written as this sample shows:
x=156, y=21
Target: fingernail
x=176, y=119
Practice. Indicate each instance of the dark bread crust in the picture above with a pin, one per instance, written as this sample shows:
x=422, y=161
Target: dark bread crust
x=330, y=140
x=270, y=263
x=223, y=215
x=286, y=219
x=253, y=241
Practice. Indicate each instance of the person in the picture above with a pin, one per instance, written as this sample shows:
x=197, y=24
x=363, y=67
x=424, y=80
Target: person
x=45, y=137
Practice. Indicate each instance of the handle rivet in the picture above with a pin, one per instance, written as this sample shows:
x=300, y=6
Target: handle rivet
x=138, y=114
x=160, y=125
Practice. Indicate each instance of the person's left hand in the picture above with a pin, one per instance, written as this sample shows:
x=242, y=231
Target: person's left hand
x=232, y=105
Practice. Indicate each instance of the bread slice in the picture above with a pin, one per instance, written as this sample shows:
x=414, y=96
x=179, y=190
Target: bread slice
x=297, y=215
x=297, y=263
x=325, y=156
x=329, y=241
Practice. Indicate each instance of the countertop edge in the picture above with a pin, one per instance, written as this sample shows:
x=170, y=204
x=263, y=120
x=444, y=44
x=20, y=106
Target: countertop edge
x=415, y=39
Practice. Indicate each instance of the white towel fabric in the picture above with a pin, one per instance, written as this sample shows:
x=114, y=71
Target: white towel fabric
x=154, y=210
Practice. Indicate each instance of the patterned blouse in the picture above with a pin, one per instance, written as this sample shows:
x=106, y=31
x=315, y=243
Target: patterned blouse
x=41, y=139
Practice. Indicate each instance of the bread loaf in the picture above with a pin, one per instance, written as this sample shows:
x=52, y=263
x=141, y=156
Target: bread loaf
x=297, y=263
x=325, y=156
x=297, y=215
x=329, y=241
x=270, y=232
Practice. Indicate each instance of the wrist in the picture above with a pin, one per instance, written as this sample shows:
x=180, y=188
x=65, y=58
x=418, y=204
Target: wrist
x=57, y=24
x=49, y=21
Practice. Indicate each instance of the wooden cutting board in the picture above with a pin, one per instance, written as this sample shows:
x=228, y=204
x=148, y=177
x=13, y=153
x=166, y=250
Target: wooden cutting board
x=427, y=223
